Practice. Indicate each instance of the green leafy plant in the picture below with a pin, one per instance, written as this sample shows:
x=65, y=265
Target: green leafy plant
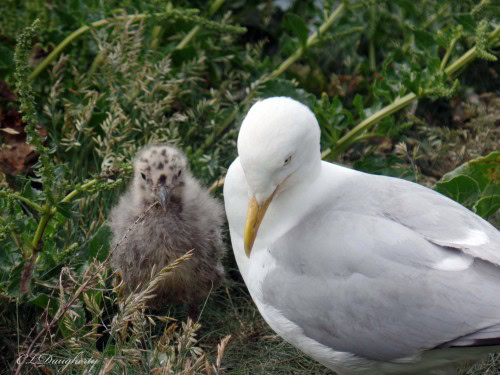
x=475, y=184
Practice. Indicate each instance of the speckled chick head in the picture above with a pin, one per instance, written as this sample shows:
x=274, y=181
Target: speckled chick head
x=159, y=174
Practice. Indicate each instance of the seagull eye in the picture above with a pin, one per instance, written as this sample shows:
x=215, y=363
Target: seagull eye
x=287, y=160
x=143, y=176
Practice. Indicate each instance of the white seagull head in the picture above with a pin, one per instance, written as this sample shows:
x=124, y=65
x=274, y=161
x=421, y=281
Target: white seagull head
x=278, y=145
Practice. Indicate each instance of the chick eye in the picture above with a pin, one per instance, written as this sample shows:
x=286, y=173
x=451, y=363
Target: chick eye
x=143, y=176
x=179, y=173
x=287, y=160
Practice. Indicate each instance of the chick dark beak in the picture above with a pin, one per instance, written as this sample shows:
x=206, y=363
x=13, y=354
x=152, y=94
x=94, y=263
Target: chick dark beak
x=163, y=196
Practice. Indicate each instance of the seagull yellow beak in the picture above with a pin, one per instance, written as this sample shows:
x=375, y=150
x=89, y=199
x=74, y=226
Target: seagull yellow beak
x=255, y=215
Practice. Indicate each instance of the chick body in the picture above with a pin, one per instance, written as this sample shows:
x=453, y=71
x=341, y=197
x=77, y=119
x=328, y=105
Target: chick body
x=187, y=218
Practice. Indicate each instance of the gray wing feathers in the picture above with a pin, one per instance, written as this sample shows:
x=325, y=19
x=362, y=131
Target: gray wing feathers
x=488, y=337
x=365, y=285
x=440, y=220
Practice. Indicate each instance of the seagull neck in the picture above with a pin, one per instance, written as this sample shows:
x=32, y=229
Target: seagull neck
x=306, y=175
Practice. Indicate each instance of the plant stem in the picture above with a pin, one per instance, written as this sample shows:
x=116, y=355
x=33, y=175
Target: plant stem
x=76, y=34
x=84, y=187
x=448, y=53
x=26, y=200
x=217, y=184
x=371, y=55
x=215, y=7
x=36, y=247
x=42, y=224
x=156, y=34
x=187, y=38
x=95, y=64
x=78, y=190
x=343, y=143
x=470, y=55
x=192, y=33
x=373, y=26
x=312, y=40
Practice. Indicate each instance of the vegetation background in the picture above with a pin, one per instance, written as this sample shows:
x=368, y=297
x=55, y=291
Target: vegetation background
x=401, y=88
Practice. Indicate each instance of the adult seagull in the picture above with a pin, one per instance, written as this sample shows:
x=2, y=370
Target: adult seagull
x=366, y=274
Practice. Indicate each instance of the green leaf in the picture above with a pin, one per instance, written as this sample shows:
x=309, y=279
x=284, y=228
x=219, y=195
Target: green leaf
x=284, y=87
x=15, y=280
x=44, y=301
x=27, y=240
x=62, y=328
x=99, y=243
x=463, y=189
x=30, y=193
x=51, y=272
x=424, y=39
x=484, y=170
x=476, y=184
x=64, y=208
x=110, y=350
x=467, y=21
x=487, y=206
x=358, y=104
x=297, y=26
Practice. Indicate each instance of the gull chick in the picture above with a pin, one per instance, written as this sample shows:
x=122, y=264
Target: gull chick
x=185, y=218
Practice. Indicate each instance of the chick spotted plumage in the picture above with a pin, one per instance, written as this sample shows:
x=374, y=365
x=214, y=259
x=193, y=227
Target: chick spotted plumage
x=186, y=218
